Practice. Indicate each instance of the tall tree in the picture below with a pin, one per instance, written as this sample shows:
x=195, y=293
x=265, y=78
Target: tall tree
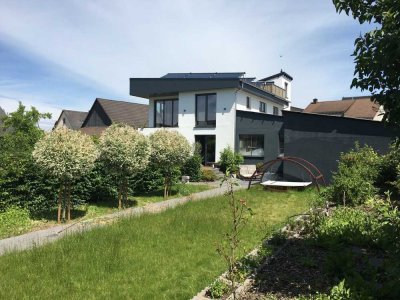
x=377, y=52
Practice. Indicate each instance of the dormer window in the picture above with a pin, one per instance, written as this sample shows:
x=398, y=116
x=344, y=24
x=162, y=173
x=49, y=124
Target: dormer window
x=248, y=102
x=286, y=90
x=262, y=107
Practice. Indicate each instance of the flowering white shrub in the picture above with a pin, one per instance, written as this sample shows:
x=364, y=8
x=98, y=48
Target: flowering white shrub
x=66, y=155
x=124, y=151
x=169, y=150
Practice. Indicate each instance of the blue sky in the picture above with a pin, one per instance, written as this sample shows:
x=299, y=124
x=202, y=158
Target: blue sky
x=64, y=54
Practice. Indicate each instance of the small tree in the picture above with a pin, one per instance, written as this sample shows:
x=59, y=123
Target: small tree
x=170, y=150
x=239, y=215
x=125, y=151
x=66, y=155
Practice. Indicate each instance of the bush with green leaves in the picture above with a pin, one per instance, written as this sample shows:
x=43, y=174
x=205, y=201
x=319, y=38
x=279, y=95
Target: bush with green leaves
x=124, y=153
x=230, y=160
x=355, y=180
x=218, y=289
x=66, y=155
x=169, y=151
x=13, y=221
x=192, y=167
x=208, y=175
x=389, y=176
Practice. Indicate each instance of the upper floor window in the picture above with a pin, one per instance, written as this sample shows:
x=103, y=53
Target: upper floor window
x=262, y=106
x=248, y=102
x=276, y=111
x=166, y=113
x=206, y=110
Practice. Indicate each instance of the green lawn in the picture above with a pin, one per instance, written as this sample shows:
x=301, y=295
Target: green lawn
x=166, y=256
x=18, y=222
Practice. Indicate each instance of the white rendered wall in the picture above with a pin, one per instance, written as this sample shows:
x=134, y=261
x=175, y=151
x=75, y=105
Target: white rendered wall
x=255, y=103
x=280, y=81
x=224, y=130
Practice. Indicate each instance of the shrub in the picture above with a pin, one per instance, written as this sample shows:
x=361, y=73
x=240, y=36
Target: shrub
x=354, y=182
x=208, y=175
x=192, y=167
x=14, y=221
x=217, y=289
x=389, y=176
x=230, y=161
x=124, y=151
x=169, y=150
x=66, y=155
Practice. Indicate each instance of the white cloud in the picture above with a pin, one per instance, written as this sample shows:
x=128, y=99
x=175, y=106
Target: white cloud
x=110, y=41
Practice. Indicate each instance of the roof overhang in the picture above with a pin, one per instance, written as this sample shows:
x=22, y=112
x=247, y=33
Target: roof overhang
x=157, y=87
x=153, y=87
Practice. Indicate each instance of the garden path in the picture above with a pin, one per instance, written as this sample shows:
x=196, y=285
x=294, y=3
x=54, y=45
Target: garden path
x=41, y=237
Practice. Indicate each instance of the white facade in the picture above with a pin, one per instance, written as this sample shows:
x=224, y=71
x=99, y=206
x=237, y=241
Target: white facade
x=228, y=101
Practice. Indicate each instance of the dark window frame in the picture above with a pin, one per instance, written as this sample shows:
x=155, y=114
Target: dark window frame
x=262, y=107
x=248, y=106
x=207, y=123
x=286, y=89
x=275, y=111
x=163, y=116
x=253, y=136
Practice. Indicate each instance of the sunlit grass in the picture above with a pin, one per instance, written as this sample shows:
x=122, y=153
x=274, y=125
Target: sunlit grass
x=165, y=256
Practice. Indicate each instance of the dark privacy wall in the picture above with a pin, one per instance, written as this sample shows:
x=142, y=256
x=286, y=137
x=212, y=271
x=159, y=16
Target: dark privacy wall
x=263, y=124
x=320, y=139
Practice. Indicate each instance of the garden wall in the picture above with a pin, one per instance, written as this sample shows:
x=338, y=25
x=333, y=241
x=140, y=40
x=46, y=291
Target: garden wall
x=320, y=139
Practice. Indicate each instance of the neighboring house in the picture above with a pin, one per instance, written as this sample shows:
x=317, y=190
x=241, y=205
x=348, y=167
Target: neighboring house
x=105, y=112
x=203, y=107
x=296, y=109
x=71, y=119
x=350, y=107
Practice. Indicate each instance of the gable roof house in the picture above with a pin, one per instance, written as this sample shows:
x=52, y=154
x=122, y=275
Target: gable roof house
x=71, y=119
x=105, y=112
x=349, y=107
x=204, y=107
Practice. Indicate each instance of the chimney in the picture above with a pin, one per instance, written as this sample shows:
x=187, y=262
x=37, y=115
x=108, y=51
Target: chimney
x=315, y=100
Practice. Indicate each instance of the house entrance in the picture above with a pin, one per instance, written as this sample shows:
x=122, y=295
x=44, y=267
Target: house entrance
x=207, y=143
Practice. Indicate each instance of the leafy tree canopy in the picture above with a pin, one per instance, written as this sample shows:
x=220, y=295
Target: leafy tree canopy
x=377, y=52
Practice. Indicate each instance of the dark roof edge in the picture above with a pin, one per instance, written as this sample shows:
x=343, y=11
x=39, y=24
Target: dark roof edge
x=121, y=101
x=330, y=116
x=281, y=73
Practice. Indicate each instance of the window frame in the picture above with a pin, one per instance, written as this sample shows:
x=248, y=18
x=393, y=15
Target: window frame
x=207, y=123
x=252, y=136
x=163, y=114
x=263, y=107
x=275, y=111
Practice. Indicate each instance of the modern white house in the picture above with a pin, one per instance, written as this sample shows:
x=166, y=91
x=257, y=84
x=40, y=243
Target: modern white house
x=204, y=107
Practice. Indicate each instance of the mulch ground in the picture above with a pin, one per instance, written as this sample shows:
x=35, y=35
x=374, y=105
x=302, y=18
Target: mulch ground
x=296, y=270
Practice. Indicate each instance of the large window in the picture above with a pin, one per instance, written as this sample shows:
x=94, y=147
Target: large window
x=166, y=113
x=206, y=110
x=251, y=145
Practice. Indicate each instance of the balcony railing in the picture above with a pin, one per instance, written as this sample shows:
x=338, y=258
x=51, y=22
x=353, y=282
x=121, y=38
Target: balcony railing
x=270, y=87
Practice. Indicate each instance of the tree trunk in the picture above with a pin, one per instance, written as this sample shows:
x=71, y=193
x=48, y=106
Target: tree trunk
x=69, y=202
x=60, y=193
x=119, y=196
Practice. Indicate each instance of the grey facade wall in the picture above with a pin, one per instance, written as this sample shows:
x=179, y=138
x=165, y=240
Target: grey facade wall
x=320, y=139
x=263, y=124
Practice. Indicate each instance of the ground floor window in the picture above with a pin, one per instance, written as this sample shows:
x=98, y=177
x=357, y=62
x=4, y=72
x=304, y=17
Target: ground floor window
x=251, y=145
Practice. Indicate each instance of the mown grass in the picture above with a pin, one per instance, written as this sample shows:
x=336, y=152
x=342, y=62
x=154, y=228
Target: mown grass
x=166, y=256
x=17, y=221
